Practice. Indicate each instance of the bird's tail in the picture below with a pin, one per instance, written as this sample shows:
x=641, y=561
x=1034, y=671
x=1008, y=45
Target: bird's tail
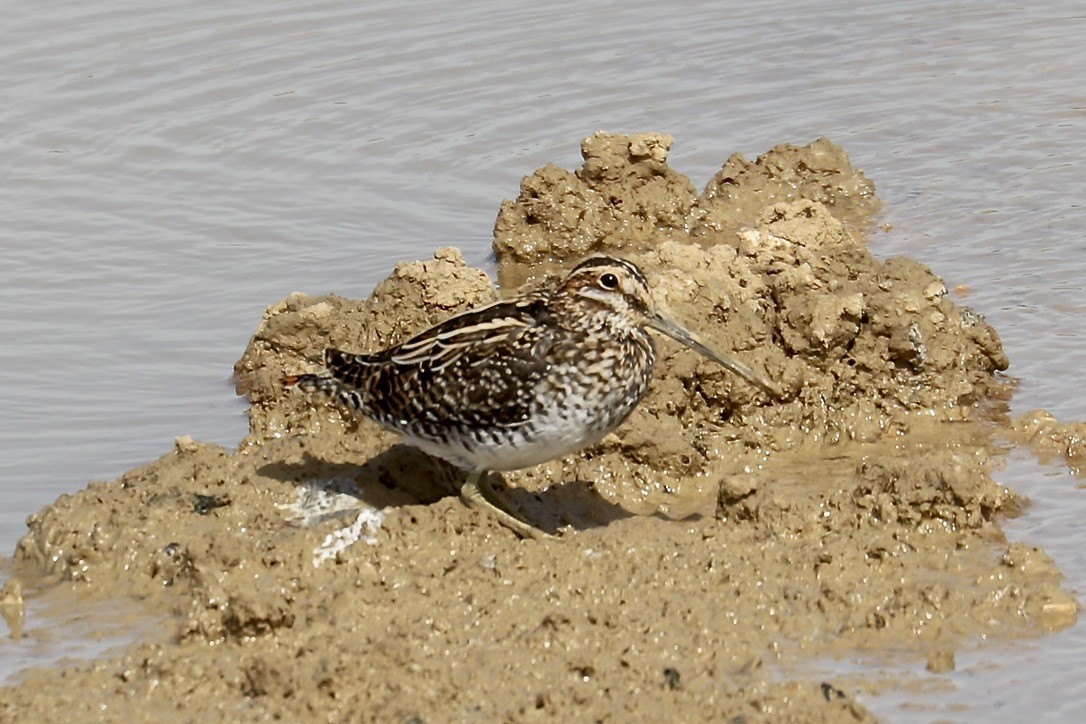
x=326, y=384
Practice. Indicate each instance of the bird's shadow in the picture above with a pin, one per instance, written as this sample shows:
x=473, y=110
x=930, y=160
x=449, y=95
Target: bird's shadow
x=399, y=476
x=570, y=503
x=403, y=475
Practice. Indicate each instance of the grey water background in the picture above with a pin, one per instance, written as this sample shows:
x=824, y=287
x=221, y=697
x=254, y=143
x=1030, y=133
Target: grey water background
x=167, y=170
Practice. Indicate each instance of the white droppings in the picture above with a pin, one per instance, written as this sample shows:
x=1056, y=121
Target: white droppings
x=364, y=528
x=319, y=500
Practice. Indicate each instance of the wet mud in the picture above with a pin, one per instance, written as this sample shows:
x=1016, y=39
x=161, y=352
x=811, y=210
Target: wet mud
x=323, y=570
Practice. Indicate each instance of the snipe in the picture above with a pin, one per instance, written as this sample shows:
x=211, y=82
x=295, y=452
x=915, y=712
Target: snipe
x=518, y=382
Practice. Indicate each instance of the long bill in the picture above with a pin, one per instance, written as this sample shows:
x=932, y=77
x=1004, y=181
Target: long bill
x=682, y=335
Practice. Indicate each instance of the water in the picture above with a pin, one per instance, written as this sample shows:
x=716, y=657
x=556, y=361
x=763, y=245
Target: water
x=169, y=169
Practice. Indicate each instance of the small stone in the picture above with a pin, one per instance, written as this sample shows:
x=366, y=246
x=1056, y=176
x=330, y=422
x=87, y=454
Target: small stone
x=185, y=444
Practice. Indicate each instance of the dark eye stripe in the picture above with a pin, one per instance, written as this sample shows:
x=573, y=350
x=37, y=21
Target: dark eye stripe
x=610, y=261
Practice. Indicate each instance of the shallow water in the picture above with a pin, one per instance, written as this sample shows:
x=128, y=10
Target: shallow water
x=172, y=169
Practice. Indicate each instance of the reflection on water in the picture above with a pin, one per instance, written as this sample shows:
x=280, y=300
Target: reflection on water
x=170, y=170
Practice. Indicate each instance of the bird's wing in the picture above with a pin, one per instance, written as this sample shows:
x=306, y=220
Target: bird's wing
x=476, y=369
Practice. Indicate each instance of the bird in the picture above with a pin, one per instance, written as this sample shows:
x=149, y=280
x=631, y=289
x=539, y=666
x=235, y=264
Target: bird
x=517, y=382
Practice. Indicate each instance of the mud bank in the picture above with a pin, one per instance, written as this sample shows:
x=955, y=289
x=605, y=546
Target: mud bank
x=323, y=570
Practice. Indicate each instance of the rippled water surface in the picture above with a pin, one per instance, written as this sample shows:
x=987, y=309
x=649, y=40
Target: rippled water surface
x=169, y=169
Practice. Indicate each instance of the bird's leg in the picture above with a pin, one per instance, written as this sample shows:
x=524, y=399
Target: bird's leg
x=479, y=494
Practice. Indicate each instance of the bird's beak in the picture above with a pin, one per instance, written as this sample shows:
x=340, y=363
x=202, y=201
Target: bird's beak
x=677, y=332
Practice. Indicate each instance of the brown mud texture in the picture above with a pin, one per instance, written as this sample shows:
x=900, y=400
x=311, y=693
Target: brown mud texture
x=713, y=543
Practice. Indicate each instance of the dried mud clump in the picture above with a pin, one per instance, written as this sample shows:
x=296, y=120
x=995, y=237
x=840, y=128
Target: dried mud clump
x=322, y=570
x=820, y=171
x=623, y=197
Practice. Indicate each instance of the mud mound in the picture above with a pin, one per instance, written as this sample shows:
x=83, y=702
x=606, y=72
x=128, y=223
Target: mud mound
x=323, y=569
x=626, y=198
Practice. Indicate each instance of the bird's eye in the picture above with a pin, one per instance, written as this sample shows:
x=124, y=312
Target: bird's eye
x=608, y=281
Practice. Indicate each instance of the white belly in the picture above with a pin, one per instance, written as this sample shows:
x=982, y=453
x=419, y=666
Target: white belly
x=555, y=433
